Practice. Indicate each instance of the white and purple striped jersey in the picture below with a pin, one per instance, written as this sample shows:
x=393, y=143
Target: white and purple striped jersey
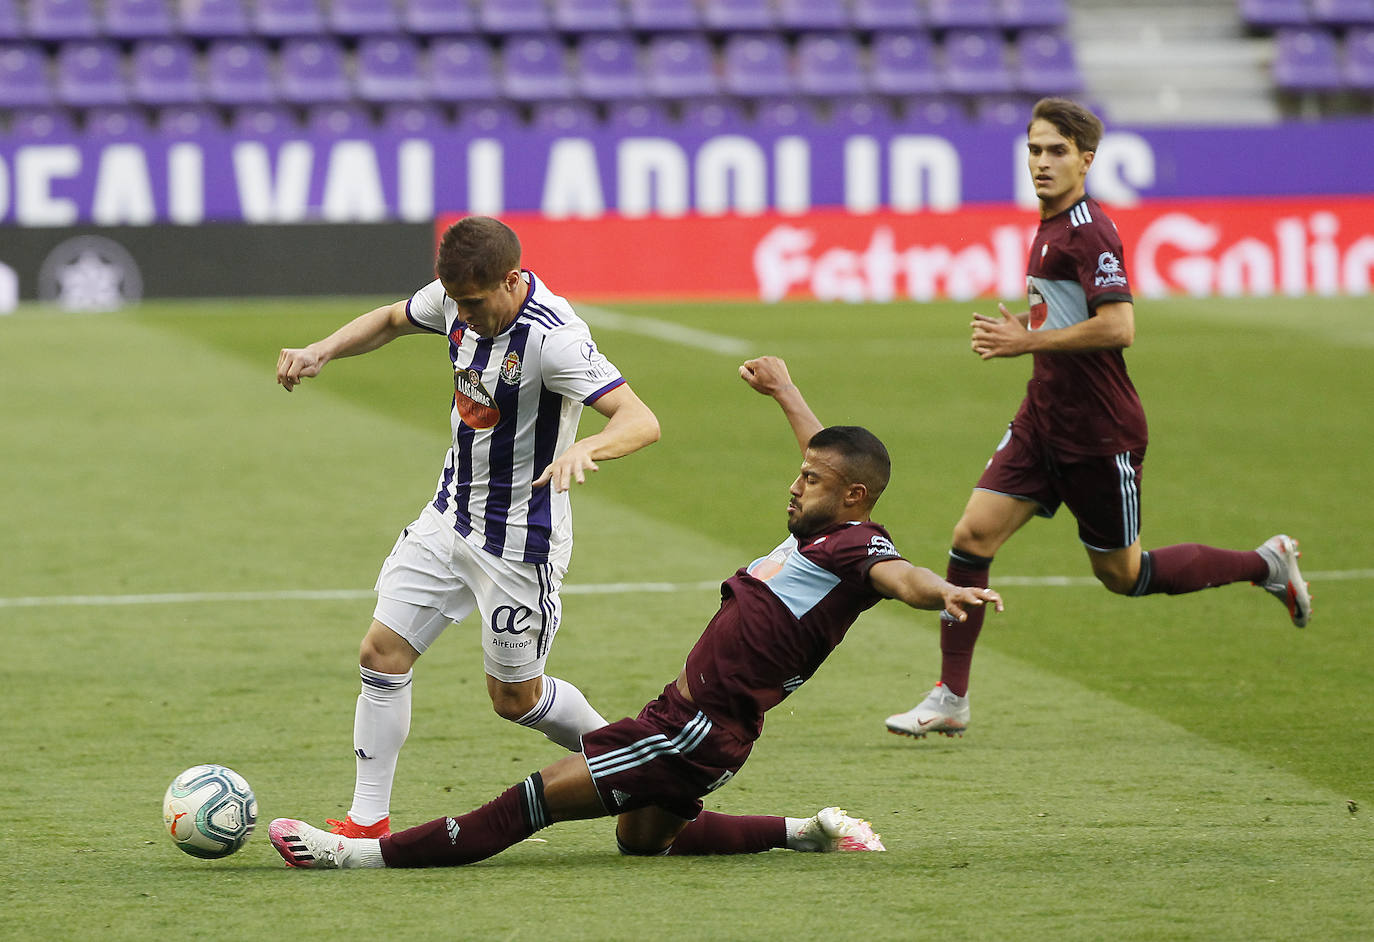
x=516, y=403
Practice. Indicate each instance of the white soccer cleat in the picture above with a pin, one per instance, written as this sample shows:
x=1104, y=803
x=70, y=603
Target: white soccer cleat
x=940, y=712
x=302, y=845
x=830, y=830
x=1285, y=581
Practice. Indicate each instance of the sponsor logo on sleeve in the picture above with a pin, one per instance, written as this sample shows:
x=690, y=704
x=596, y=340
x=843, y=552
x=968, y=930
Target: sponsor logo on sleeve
x=1109, y=273
x=881, y=546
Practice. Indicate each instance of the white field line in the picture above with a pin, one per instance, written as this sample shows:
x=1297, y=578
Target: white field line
x=665, y=330
x=602, y=588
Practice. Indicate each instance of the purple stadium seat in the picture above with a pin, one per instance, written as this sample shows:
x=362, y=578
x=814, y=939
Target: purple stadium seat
x=388, y=69
x=564, y=117
x=1265, y=15
x=813, y=15
x=905, y=63
x=1010, y=111
x=756, y=65
x=313, y=70
x=24, y=78
x=186, y=120
x=1025, y=14
x=588, y=16
x=830, y=64
x=783, y=114
x=879, y=15
x=340, y=118
x=115, y=121
x=608, y=67
x=41, y=124
x=503, y=17
x=733, y=15
x=165, y=72
x=976, y=62
x=664, y=15
x=534, y=68
x=462, y=68
x=62, y=19
x=438, y=17
x=681, y=66
x=488, y=117
x=1358, y=66
x=11, y=23
x=962, y=14
x=279, y=18
x=1045, y=63
x=262, y=120
x=860, y=113
x=239, y=72
x=413, y=117
x=931, y=111
x=363, y=17
x=638, y=116
x=138, y=19
x=1342, y=13
x=89, y=73
x=213, y=19
x=713, y=115
x=1306, y=60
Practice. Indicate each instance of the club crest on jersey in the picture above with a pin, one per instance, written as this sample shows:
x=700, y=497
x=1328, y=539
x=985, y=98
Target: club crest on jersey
x=510, y=368
x=476, y=407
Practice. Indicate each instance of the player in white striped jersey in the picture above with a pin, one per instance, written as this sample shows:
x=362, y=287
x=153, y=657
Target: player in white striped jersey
x=497, y=536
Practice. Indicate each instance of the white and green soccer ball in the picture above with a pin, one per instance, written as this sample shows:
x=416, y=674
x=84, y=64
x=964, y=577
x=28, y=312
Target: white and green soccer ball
x=209, y=811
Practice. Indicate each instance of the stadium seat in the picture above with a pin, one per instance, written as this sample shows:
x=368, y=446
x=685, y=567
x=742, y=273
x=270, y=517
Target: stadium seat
x=660, y=16
x=462, y=68
x=931, y=111
x=239, y=72
x=1266, y=15
x=413, y=117
x=89, y=73
x=165, y=72
x=488, y=117
x=737, y=15
x=281, y=18
x=387, y=68
x=363, y=17
x=1341, y=14
x=976, y=62
x=639, y=116
x=340, y=118
x=186, y=120
x=263, y=120
x=41, y=124
x=905, y=63
x=312, y=70
x=782, y=114
x=505, y=17
x=137, y=19
x=883, y=15
x=534, y=68
x=214, y=19
x=1306, y=60
x=1358, y=64
x=608, y=67
x=24, y=80
x=830, y=64
x=1045, y=63
x=573, y=116
x=114, y=121
x=11, y=23
x=962, y=14
x=588, y=16
x=860, y=113
x=438, y=17
x=813, y=15
x=681, y=66
x=57, y=20
x=756, y=65
x=1026, y=14
x=714, y=115
x=1011, y=111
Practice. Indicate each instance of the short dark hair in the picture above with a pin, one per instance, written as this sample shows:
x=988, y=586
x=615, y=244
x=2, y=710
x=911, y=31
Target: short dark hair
x=864, y=456
x=477, y=250
x=1070, y=119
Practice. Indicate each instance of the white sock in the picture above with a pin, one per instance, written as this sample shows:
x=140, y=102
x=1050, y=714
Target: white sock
x=367, y=852
x=380, y=726
x=794, y=839
x=563, y=714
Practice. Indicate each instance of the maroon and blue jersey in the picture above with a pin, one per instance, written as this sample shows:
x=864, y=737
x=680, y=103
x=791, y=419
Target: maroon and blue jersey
x=1081, y=403
x=779, y=618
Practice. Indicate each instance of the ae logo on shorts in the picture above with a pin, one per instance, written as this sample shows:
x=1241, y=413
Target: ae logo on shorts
x=510, y=619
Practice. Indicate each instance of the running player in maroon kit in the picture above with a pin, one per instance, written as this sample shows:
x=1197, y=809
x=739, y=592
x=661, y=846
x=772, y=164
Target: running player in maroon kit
x=779, y=618
x=1079, y=437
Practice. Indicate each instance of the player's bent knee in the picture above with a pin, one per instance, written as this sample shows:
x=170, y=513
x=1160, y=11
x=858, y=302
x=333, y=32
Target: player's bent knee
x=1116, y=582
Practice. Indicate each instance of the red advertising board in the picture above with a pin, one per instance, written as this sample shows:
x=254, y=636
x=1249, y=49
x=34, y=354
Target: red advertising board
x=1231, y=247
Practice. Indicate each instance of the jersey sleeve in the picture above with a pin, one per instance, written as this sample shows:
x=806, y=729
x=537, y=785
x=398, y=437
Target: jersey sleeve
x=574, y=367
x=1101, y=270
x=426, y=308
x=856, y=550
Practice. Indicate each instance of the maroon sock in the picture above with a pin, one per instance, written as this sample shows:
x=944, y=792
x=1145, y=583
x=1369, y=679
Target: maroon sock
x=957, y=638
x=1188, y=567
x=715, y=833
x=448, y=842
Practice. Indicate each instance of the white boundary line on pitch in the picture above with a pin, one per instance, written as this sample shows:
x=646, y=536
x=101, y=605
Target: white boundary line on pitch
x=664, y=330
x=601, y=588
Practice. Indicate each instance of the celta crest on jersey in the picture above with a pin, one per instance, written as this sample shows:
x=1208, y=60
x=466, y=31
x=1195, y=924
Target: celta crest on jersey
x=476, y=407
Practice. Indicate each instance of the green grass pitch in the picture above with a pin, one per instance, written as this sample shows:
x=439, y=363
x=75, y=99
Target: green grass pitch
x=1163, y=768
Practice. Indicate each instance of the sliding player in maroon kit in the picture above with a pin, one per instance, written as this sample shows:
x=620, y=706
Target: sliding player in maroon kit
x=1079, y=437
x=779, y=618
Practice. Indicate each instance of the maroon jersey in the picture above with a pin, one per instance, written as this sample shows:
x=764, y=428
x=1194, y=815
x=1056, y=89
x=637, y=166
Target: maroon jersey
x=779, y=618
x=1080, y=403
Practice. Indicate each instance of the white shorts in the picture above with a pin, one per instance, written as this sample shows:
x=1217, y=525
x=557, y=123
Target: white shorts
x=434, y=577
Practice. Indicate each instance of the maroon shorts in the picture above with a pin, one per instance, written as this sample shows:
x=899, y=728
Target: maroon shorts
x=1101, y=491
x=668, y=756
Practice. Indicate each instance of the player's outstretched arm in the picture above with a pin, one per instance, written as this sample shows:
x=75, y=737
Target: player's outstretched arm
x=919, y=587
x=630, y=425
x=363, y=334
x=769, y=376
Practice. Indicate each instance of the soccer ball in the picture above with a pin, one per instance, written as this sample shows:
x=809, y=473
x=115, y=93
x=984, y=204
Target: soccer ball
x=209, y=811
